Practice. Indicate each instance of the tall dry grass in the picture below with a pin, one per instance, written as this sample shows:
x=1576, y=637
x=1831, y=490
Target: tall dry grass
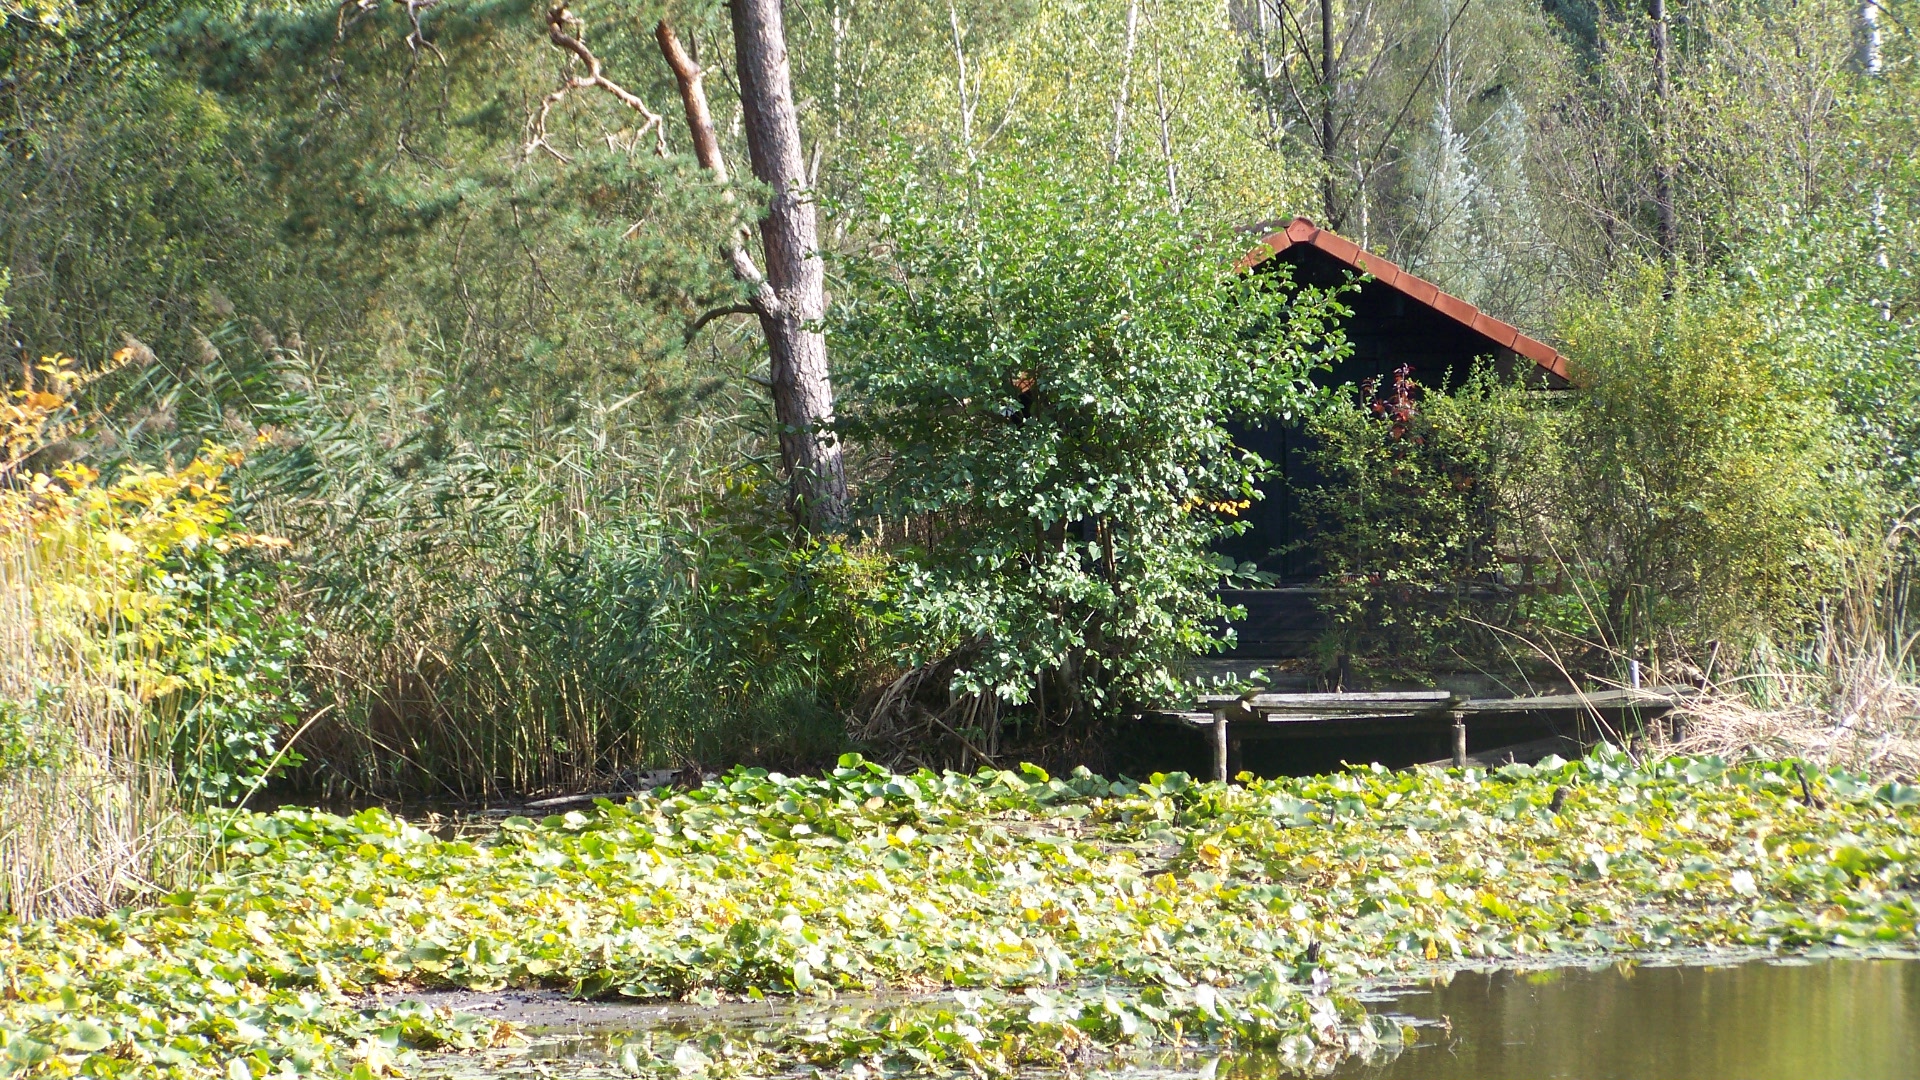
x=1850, y=698
x=89, y=813
x=90, y=810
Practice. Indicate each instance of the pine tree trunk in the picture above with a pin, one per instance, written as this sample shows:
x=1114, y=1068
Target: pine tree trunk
x=795, y=299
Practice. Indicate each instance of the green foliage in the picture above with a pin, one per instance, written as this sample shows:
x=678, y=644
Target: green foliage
x=1767, y=108
x=231, y=647
x=146, y=583
x=526, y=505
x=986, y=81
x=466, y=361
x=1003, y=885
x=147, y=669
x=1426, y=518
x=1706, y=486
x=496, y=633
x=27, y=739
x=1698, y=482
x=1837, y=294
x=1044, y=368
x=138, y=205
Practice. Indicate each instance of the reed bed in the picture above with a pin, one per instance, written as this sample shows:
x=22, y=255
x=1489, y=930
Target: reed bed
x=89, y=812
x=1877, y=734
x=1850, y=699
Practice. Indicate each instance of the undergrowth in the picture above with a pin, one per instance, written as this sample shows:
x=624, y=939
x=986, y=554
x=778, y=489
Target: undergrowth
x=144, y=668
x=1075, y=917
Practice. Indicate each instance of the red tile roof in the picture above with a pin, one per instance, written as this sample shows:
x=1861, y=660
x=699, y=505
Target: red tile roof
x=1504, y=334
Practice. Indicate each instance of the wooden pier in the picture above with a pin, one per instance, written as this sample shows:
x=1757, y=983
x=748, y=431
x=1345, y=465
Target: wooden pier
x=1230, y=719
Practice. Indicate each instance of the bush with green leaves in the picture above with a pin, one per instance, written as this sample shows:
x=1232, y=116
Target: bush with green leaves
x=1836, y=291
x=148, y=672
x=1042, y=371
x=1693, y=484
x=144, y=591
x=1427, y=513
x=233, y=652
x=1708, y=490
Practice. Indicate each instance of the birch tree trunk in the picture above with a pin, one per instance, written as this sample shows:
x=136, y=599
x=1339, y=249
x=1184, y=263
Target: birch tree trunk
x=1666, y=227
x=1126, y=74
x=793, y=299
x=1328, y=74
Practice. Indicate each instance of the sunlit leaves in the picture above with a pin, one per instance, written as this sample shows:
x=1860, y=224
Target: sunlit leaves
x=1077, y=915
x=145, y=579
x=1047, y=367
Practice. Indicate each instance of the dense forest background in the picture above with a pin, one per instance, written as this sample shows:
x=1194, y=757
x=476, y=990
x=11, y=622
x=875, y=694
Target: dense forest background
x=490, y=494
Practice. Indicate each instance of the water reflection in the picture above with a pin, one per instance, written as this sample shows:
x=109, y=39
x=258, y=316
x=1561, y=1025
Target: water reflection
x=1828, y=1019
x=1835, y=1018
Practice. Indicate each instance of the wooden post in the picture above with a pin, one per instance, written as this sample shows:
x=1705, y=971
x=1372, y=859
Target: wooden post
x=1459, y=740
x=1220, y=745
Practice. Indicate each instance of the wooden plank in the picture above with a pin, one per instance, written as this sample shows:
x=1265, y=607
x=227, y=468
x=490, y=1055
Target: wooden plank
x=1348, y=726
x=1266, y=718
x=1410, y=712
x=1399, y=700
x=1342, y=703
x=1655, y=697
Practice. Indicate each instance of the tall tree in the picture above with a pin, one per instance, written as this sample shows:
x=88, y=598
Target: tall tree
x=1666, y=232
x=1684, y=129
x=789, y=298
x=792, y=300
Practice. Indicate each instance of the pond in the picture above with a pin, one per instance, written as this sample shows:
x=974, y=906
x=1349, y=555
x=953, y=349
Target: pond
x=1826, y=1018
x=1786, y=1020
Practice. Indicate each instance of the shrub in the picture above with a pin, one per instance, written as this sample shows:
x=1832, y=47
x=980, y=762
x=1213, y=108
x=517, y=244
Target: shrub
x=1042, y=371
x=1707, y=491
x=1427, y=518
x=143, y=667
x=145, y=581
x=1837, y=296
x=144, y=664
x=1693, y=485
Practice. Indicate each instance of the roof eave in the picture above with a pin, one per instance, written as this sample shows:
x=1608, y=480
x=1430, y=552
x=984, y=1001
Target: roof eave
x=1504, y=334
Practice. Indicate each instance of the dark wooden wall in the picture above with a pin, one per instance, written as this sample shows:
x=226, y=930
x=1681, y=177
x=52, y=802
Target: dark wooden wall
x=1387, y=329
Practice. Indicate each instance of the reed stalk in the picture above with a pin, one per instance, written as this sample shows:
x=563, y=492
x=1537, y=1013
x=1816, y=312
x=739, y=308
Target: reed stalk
x=89, y=813
x=1849, y=698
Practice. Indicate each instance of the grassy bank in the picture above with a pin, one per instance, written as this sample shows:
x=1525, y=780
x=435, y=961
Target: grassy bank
x=1088, y=916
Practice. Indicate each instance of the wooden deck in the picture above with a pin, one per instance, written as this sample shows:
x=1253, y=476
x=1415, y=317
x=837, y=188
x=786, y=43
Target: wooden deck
x=1229, y=719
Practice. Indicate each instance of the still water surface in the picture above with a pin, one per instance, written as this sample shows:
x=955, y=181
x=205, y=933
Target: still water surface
x=1841, y=1018
x=1830, y=1019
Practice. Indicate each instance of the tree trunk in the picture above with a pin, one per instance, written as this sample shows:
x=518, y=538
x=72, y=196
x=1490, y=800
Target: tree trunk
x=1667, y=232
x=790, y=236
x=1327, y=76
x=1867, y=31
x=790, y=299
x=1126, y=75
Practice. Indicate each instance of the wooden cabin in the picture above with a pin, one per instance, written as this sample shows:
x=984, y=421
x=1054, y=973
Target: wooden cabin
x=1458, y=718
x=1398, y=318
